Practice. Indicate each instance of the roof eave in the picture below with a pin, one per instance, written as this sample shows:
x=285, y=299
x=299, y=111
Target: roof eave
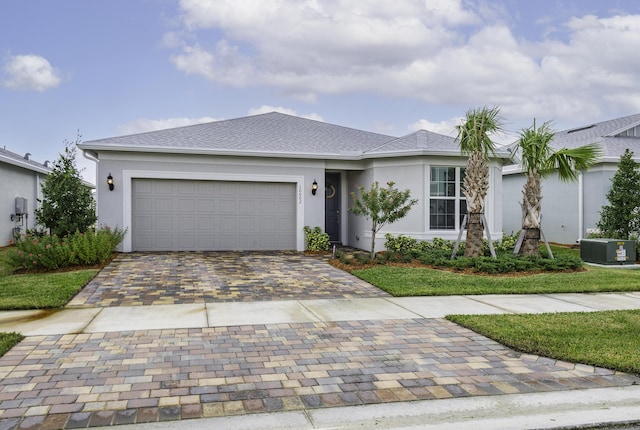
x=24, y=165
x=349, y=156
x=94, y=149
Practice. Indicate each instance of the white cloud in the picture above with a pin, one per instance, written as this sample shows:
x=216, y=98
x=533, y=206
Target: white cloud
x=267, y=109
x=143, y=125
x=443, y=52
x=30, y=73
x=447, y=127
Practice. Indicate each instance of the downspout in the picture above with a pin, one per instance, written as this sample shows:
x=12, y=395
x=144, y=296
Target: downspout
x=91, y=157
x=580, y=206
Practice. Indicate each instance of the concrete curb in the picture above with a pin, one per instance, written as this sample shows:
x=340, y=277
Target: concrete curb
x=577, y=408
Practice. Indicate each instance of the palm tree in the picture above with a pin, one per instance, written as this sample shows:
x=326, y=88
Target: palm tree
x=473, y=137
x=539, y=160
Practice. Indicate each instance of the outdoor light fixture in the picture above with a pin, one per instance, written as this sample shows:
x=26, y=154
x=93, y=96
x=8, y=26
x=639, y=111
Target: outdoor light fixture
x=314, y=187
x=110, y=182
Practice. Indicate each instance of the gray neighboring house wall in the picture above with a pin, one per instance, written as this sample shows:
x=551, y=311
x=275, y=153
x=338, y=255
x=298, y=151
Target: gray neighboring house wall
x=246, y=184
x=571, y=210
x=22, y=178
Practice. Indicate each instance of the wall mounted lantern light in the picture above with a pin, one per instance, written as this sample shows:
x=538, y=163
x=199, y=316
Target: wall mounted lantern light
x=110, y=182
x=314, y=187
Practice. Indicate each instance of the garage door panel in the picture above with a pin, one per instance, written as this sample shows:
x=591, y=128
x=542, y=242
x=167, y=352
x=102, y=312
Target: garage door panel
x=163, y=205
x=228, y=206
x=246, y=207
x=186, y=206
x=213, y=215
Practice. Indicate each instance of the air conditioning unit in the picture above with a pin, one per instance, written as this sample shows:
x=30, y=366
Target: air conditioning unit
x=21, y=206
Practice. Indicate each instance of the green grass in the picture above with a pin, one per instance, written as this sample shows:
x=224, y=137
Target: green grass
x=606, y=339
x=411, y=281
x=42, y=291
x=8, y=341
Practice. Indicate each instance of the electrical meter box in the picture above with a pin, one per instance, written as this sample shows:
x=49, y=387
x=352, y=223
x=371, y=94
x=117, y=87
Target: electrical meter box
x=21, y=206
x=608, y=251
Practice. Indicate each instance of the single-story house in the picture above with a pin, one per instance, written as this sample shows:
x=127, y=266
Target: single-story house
x=253, y=183
x=20, y=187
x=571, y=210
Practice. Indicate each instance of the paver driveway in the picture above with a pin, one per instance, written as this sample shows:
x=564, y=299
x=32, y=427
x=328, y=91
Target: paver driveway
x=94, y=379
x=207, y=277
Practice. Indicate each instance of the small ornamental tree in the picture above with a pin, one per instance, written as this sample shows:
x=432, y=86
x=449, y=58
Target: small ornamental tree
x=621, y=218
x=67, y=203
x=382, y=206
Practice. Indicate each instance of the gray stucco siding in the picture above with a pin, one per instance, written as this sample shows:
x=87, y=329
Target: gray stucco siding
x=561, y=202
x=413, y=173
x=18, y=182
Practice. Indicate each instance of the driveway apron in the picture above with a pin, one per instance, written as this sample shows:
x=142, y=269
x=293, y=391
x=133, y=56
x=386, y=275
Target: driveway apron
x=208, y=277
x=98, y=379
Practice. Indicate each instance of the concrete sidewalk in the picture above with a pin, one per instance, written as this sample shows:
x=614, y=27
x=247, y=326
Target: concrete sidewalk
x=127, y=318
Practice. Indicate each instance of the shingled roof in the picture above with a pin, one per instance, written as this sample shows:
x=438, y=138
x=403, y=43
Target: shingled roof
x=604, y=133
x=277, y=134
x=23, y=161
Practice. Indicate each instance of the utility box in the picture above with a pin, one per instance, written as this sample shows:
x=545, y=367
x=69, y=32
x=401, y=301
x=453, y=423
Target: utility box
x=608, y=251
x=21, y=206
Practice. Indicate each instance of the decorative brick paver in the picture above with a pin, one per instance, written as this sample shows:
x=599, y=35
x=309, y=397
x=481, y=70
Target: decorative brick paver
x=206, y=277
x=75, y=381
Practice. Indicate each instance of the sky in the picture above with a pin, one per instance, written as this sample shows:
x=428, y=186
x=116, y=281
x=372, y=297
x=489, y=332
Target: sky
x=95, y=69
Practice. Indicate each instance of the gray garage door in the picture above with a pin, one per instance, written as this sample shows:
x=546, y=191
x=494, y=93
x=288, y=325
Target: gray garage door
x=185, y=215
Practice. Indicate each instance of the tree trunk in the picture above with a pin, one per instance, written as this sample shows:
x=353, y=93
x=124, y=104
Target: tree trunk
x=531, y=242
x=374, y=227
x=531, y=215
x=474, y=246
x=475, y=186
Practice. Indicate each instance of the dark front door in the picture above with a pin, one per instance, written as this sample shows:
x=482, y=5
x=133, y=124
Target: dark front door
x=332, y=206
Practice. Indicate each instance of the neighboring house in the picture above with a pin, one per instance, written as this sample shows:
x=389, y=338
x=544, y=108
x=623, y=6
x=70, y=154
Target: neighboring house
x=246, y=184
x=20, y=187
x=570, y=210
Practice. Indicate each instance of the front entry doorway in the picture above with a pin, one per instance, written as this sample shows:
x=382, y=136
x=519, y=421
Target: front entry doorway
x=332, y=206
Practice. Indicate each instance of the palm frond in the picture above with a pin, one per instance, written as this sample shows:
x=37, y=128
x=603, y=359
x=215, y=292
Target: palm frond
x=535, y=146
x=569, y=161
x=473, y=133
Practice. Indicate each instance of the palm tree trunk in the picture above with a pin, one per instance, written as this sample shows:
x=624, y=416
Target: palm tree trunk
x=531, y=215
x=475, y=186
x=474, y=245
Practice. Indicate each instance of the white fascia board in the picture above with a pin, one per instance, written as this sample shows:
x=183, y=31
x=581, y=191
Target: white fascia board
x=24, y=165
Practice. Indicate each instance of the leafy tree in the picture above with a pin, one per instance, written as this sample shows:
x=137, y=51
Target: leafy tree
x=381, y=205
x=67, y=203
x=474, y=140
x=621, y=218
x=539, y=160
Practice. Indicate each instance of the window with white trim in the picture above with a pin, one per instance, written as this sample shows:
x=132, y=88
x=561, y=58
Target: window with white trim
x=447, y=204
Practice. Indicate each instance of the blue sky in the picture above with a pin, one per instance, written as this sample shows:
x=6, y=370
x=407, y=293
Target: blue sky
x=108, y=68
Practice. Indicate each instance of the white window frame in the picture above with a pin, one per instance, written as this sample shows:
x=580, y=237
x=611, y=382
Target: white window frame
x=457, y=198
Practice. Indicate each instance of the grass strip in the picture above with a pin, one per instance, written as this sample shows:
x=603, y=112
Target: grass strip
x=8, y=341
x=418, y=281
x=607, y=339
x=42, y=291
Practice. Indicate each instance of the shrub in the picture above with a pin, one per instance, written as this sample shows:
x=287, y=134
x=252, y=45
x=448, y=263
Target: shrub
x=315, y=239
x=52, y=252
x=399, y=243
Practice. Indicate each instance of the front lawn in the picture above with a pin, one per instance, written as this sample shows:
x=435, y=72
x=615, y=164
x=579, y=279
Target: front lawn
x=607, y=339
x=421, y=281
x=42, y=290
x=8, y=341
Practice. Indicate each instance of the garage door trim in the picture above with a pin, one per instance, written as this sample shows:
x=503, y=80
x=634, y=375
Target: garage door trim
x=129, y=175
